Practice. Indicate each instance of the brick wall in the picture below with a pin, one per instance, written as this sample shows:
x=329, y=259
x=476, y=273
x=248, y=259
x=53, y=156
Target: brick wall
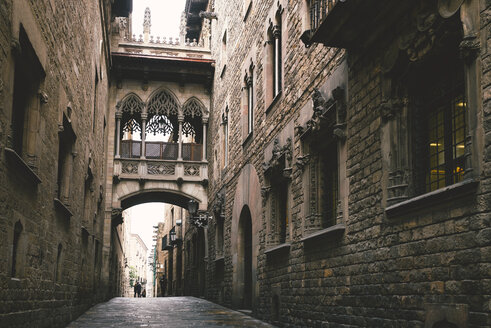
x=71, y=34
x=382, y=271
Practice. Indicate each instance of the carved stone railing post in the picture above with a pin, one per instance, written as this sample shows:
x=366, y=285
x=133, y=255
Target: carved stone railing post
x=205, y=124
x=119, y=115
x=180, y=118
x=144, y=135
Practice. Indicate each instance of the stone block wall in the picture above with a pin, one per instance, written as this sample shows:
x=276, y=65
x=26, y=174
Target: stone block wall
x=400, y=270
x=68, y=40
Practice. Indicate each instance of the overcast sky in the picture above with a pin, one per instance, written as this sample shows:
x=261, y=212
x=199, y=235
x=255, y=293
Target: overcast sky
x=166, y=16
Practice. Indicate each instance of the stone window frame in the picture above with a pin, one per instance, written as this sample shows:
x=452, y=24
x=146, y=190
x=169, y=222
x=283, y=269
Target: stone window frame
x=219, y=215
x=28, y=76
x=277, y=195
x=329, y=123
x=66, y=155
x=246, y=8
x=223, y=52
x=399, y=185
x=275, y=36
x=225, y=119
x=248, y=102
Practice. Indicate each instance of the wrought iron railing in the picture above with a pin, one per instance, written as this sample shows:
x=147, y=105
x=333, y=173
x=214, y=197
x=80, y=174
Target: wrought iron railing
x=161, y=150
x=192, y=152
x=319, y=9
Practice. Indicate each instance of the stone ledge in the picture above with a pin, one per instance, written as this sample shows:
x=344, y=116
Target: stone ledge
x=426, y=200
x=219, y=259
x=22, y=166
x=63, y=207
x=338, y=228
x=273, y=102
x=278, y=248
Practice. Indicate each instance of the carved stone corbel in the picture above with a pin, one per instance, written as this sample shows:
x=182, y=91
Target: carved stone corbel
x=302, y=161
x=265, y=194
x=43, y=97
x=339, y=132
x=208, y=15
x=389, y=108
x=298, y=130
x=469, y=48
x=288, y=151
x=15, y=46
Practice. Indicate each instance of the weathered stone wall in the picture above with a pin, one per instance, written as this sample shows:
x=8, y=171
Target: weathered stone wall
x=381, y=271
x=67, y=38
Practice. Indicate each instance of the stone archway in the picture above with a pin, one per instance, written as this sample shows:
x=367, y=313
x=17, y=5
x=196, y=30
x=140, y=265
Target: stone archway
x=244, y=258
x=246, y=217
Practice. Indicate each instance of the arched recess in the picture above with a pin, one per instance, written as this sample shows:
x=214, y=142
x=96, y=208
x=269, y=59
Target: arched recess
x=193, y=111
x=130, y=109
x=163, y=110
x=247, y=207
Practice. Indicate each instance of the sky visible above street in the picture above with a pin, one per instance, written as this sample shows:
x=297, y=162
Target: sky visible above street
x=165, y=19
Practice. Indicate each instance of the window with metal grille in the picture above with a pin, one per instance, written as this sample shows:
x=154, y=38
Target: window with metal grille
x=446, y=142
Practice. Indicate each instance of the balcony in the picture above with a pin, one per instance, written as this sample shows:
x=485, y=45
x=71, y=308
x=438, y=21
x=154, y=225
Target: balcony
x=161, y=150
x=350, y=23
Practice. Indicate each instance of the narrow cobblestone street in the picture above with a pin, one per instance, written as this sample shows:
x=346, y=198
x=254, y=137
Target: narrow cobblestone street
x=163, y=312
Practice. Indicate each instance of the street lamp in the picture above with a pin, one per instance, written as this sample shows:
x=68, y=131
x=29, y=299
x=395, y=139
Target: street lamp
x=192, y=207
x=198, y=218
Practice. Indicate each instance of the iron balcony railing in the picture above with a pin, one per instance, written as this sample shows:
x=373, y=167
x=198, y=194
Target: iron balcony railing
x=319, y=9
x=161, y=150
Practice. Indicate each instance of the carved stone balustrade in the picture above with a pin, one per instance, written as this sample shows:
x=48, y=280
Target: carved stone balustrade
x=149, y=169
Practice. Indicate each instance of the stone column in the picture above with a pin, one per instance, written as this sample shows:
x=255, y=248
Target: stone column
x=119, y=115
x=144, y=126
x=205, y=124
x=179, y=152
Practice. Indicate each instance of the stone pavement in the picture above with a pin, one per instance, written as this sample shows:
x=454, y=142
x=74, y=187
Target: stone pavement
x=163, y=312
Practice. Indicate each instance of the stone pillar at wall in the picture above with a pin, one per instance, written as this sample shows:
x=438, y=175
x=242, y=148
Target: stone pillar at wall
x=118, y=133
x=144, y=125
x=179, y=153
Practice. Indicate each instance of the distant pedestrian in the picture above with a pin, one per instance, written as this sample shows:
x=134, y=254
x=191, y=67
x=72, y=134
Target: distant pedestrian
x=139, y=289
x=134, y=289
x=144, y=293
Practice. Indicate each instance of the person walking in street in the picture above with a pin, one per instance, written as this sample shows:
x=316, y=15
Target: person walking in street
x=134, y=289
x=139, y=289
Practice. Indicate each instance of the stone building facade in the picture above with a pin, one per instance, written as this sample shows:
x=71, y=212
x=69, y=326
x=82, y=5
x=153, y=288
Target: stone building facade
x=349, y=169
x=54, y=86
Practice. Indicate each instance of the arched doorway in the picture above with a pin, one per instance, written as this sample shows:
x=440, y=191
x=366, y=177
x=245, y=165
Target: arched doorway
x=245, y=257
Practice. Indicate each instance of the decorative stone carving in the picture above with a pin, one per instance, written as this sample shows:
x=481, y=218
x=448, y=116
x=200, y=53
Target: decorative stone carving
x=302, y=161
x=161, y=169
x=469, y=48
x=281, y=158
x=147, y=21
x=389, y=108
x=192, y=170
x=43, y=96
x=398, y=186
x=219, y=205
x=208, y=15
x=128, y=167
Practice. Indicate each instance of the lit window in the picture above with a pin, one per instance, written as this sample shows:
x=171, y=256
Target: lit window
x=446, y=143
